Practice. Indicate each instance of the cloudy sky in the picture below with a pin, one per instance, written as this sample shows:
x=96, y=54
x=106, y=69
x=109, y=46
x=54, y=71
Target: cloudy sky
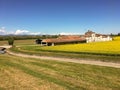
x=59, y=16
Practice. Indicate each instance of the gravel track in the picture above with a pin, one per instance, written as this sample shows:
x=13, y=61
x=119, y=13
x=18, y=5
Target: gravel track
x=91, y=62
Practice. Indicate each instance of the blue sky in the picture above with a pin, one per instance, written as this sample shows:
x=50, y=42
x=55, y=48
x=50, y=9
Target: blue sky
x=57, y=16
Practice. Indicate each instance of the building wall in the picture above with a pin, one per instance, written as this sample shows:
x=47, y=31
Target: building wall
x=93, y=38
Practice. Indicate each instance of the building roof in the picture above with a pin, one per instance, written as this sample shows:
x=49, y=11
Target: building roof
x=65, y=38
x=73, y=38
x=89, y=33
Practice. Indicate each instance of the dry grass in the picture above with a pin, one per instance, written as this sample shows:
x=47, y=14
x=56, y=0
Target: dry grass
x=20, y=42
x=19, y=73
x=25, y=42
x=3, y=43
x=15, y=79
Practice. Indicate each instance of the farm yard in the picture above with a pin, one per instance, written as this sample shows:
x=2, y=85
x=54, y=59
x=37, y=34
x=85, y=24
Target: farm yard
x=59, y=45
x=29, y=73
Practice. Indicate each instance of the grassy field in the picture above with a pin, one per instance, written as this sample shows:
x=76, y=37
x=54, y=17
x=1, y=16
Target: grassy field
x=3, y=43
x=104, y=51
x=17, y=73
x=20, y=42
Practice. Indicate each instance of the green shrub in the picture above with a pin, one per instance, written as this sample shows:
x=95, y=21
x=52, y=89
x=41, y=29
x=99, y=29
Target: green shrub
x=10, y=40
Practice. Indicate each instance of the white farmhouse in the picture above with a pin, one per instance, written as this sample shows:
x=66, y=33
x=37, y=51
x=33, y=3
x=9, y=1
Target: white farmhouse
x=93, y=37
x=67, y=39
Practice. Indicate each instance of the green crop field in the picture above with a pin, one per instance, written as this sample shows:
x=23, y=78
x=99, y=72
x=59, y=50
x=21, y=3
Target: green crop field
x=17, y=73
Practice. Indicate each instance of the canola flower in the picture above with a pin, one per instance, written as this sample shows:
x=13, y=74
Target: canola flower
x=108, y=47
x=117, y=38
x=112, y=47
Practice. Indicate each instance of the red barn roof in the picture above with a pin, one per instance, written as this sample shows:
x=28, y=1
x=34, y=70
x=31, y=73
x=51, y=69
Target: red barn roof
x=65, y=38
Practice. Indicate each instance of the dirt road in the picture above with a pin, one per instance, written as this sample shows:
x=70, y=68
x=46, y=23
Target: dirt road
x=6, y=46
x=99, y=63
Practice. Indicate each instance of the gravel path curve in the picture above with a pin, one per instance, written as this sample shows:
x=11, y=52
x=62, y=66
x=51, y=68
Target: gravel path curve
x=91, y=62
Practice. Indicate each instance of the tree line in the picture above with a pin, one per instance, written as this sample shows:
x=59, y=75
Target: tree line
x=115, y=34
x=24, y=37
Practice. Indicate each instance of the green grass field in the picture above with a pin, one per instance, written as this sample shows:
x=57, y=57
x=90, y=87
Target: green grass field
x=105, y=51
x=17, y=73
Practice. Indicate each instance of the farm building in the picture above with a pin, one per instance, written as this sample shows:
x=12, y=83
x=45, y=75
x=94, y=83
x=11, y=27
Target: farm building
x=65, y=39
x=93, y=37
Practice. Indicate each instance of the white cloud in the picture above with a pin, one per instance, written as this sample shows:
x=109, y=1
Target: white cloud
x=26, y=32
x=21, y=32
x=2, y=31
x=36, y=33
x=64, y=33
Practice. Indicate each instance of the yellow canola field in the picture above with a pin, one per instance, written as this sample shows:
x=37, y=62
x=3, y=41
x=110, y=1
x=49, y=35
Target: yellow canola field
x=109, y=47
x=117, y=38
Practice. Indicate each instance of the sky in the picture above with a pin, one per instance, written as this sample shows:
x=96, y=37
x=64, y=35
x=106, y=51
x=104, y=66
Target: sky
x=59, y=16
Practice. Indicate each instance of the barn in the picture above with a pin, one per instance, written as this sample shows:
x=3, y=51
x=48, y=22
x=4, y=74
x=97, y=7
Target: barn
x=88, y=37
x=64, y=39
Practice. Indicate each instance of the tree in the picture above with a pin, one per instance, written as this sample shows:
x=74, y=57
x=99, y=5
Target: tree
x=118, y=34
x=10, y=41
